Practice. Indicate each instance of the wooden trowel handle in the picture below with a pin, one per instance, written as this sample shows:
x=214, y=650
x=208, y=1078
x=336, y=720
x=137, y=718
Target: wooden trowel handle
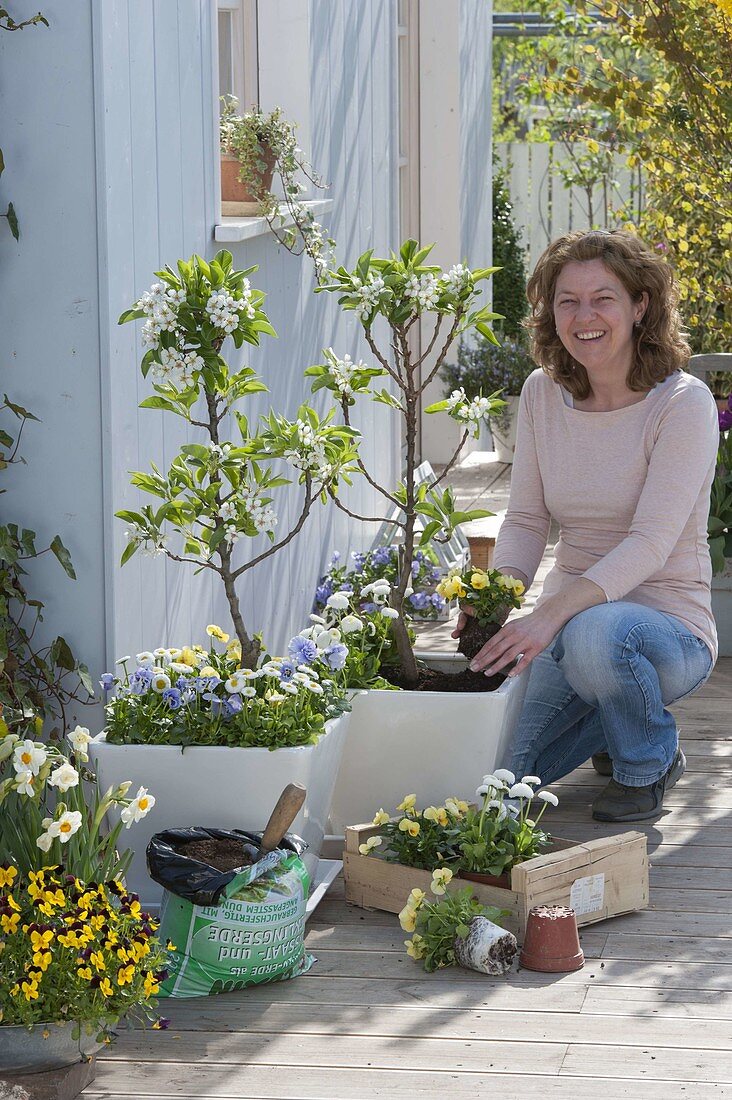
x=287, y=808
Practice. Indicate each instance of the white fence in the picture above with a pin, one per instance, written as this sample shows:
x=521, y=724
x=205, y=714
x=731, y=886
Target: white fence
x=545, y=207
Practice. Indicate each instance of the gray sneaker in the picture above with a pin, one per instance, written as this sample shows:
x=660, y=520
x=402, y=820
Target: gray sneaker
x=620, y=803
x=602, y=762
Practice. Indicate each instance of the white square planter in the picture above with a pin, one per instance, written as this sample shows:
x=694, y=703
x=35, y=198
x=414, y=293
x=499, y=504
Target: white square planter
x=431, y=743
x=220, y=787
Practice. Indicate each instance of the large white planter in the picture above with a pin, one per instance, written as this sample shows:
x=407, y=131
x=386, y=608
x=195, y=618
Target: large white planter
x=219, y=787
x=433, y=744
x=504, y=442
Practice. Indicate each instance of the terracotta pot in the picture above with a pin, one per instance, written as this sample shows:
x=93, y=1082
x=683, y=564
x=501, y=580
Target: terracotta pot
x=551, y=943
x=504, y=880
x=232, y=188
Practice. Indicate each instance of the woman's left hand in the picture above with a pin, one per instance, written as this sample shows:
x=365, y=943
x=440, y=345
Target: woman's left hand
x=525, y=637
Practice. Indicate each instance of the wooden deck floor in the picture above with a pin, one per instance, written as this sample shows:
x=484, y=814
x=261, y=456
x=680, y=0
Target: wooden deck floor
x=648, y=1018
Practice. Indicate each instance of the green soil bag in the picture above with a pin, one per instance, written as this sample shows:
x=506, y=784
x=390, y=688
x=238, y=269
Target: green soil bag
x=230, y=929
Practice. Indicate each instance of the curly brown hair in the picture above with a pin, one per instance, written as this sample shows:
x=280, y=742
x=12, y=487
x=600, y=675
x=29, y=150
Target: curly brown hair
x=661, y=347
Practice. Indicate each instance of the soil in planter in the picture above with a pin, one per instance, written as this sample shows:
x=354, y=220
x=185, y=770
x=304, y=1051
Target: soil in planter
x=221, y=853
x=473, y=637
x=431, y=680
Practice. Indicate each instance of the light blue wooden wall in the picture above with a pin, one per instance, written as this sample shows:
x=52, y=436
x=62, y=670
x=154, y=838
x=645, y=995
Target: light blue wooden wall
x=117, y=176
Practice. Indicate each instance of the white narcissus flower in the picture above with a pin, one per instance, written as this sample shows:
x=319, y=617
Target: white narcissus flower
x=24, y=782
x=140, y=806
x=338, y=601
x=68, y=824
x=521, y=790
x=44, y=841
x=64, y=777
x=29, y=757
x=79, y=738
x=547, y=796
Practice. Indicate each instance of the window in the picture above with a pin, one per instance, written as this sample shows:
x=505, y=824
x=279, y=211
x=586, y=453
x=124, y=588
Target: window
x=408, y=92
x=238, y=60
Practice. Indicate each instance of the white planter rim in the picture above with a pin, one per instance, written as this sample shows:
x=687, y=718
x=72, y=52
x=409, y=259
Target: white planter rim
x=101, y=738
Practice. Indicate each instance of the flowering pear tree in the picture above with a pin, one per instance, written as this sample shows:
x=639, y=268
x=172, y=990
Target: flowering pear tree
x=218, y=493
x=404, y=291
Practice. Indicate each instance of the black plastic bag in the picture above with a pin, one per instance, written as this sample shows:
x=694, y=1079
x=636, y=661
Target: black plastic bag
x=195, y=881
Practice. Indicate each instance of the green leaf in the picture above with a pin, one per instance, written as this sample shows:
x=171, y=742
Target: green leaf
x=429, y=532
x=60, y=654
x=58, y=548
x=85, y=678
x=160, y=403
x=437, y=407
x=19, y=411
x=130, y=315
x=13, y=221
x=127, y=553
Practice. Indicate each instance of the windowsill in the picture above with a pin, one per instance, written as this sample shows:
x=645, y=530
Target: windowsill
x=243, y=229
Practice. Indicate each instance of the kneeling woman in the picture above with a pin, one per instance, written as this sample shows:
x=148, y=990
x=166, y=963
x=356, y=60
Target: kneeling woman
x=617, y=444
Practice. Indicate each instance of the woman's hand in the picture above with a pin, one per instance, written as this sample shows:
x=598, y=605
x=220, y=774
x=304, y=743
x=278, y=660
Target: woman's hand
x=462, y=620
x=525, y=638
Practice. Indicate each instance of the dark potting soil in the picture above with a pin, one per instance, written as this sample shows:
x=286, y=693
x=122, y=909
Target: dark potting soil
x=431, y=680
x=473, y=637
x=222, y=853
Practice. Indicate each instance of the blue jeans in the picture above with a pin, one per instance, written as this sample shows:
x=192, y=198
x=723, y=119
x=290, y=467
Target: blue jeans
x=603, y=686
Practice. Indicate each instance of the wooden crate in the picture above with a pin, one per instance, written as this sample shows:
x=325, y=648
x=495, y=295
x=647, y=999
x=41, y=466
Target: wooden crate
x=599, y=879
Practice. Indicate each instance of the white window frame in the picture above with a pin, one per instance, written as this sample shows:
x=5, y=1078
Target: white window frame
x=244, y=49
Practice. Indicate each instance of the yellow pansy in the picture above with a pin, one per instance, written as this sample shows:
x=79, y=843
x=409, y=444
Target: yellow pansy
x=41, y=940
x=150, y=986
x=408, y=803
x=30, y=990
x=106, y=987
x=416, y=897
x=407, y=825
x=371, y=843
x=125, y=974
x=414, y=947
x=408, y=919
x=380, y=818
x=9, y=924
x=85, y=972
x=451, y=587
x=216, y=632
x=438, y=814
x=7, y=874
x=208, y=670
x=479, y=580
x=440, y=879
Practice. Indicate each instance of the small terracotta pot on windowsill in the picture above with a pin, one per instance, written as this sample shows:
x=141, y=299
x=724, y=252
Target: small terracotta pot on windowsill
x=240, y=198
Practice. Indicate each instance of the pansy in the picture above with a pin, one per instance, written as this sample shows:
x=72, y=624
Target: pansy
x=440, y=879
x=302, y=649
x=371, y=843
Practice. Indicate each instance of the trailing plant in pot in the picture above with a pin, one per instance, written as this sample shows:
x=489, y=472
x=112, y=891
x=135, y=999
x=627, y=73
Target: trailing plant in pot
x=403, y=291
x=485, y=367
x=218, y=495
x=260, y=145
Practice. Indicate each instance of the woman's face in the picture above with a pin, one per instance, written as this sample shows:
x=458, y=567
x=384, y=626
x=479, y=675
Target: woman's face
x=594, y=316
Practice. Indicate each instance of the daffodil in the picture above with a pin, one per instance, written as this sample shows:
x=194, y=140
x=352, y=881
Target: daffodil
x=67, y=824
x=29, y=757
x=440, y=879
x=138, y=808
x=64, y=777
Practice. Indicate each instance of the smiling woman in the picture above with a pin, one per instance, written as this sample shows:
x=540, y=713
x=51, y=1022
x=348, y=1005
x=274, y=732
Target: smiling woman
x=617, y=444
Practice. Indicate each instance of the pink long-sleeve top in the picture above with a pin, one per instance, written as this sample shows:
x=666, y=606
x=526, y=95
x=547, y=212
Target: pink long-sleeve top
x=629, y=490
